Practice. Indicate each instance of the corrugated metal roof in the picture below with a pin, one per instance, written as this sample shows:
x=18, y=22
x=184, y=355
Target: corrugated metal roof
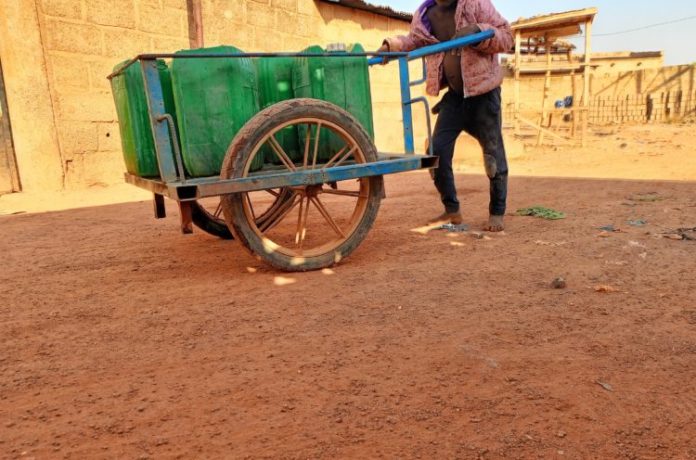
x=376, y=9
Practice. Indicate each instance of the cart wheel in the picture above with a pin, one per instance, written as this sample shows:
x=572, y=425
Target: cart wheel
x=318, y=225
x=207, y=213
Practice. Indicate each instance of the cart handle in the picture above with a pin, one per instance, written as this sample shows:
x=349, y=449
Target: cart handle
x=377, y=59
x=461, y=42
x=405, y=81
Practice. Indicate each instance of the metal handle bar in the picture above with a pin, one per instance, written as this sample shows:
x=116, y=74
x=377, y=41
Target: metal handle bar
x=427, y=121
x=377, y=59
x=175, y=143
x=461, y=42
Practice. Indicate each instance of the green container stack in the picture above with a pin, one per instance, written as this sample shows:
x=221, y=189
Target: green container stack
x=137, y=142
x=342, y=81
x=275, y=85
x=214, y=98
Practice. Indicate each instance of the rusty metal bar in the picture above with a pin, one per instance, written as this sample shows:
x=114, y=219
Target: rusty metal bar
x=186, y=217
x=158, y=202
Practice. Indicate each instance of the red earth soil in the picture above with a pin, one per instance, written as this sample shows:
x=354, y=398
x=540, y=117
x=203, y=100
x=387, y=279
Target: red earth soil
x=121, y=338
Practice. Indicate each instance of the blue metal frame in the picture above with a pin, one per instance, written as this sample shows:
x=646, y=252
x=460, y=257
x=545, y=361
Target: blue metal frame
x=160, y=131
x=405, y=82
x=169, y=158
x=194, y=189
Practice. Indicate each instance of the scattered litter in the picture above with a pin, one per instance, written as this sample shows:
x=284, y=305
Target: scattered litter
x=672, y=236
x=559, y=283
x=457, y=244
x=605, y=288
x=480, y=236
x=609, y=229
x=637, y=222
x=541, y=212
x=548, y=243
x=454, y=228
x=619, y=263
x=688, y=234
x=649, y=197
x=561, y=434
x=604, y=385
x=635, y=244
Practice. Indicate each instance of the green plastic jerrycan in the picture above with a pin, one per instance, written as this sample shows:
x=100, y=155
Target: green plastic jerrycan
x=214, y=98
x=343, y=81
x=137, y=141
x=275, y=85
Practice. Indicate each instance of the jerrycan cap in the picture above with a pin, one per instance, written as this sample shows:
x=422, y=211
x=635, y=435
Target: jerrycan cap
x=336, y=48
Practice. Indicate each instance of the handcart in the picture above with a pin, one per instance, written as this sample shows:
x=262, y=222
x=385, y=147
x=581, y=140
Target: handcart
x=296, y=215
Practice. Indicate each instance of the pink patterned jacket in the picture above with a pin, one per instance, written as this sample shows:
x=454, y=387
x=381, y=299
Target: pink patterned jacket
x=480, y=68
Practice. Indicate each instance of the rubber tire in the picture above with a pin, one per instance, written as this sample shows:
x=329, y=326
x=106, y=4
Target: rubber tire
x=208, y=223
x=217, y=227
x=241, y=148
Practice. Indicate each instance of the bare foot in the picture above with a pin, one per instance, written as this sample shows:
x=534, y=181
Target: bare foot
x=447, y=218
x=495, y=224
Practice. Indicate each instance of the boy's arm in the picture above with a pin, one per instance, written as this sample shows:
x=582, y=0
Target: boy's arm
x=488, y=18
x=405, y=43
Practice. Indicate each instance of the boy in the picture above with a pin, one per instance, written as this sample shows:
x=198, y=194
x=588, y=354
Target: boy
x=473, y=77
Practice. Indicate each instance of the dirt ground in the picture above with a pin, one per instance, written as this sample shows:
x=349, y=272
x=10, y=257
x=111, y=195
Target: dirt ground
x=121, y=338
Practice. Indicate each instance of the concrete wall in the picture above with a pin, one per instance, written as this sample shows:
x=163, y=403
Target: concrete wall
x=649, y=81
x=28, y=96
x=57, y=53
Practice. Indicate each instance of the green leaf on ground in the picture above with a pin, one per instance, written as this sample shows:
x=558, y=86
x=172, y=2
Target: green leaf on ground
x=541, y=212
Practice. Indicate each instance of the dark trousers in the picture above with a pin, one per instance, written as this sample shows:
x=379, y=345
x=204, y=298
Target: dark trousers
x=480, y=117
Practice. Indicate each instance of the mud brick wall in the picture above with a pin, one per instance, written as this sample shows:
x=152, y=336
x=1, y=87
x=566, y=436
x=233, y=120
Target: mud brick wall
x=617, y=97
x=56, y=55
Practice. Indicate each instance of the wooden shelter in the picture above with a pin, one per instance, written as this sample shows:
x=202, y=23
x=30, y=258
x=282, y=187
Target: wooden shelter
x=544, y=34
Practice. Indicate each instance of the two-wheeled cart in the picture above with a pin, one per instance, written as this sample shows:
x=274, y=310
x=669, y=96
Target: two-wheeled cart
x=297, y=215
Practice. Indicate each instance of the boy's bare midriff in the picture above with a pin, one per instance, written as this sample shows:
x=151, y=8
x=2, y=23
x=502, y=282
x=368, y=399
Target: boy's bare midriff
x=444, y=28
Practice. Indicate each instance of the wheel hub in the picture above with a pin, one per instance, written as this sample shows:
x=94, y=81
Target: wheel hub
x=309, y=190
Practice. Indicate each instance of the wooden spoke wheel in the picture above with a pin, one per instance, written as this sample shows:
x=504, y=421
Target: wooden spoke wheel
x=318, y=225
x=207, y=213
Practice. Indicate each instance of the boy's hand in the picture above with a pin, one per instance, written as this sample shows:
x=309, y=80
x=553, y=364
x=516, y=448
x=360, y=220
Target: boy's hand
x=383, y=49
x=467, y=30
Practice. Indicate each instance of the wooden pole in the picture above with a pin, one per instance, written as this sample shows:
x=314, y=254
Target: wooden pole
x=587, y=72
x=547, y=87
x=195, y=23
x=541, y=128
x=518, y=63
x=574, y=113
